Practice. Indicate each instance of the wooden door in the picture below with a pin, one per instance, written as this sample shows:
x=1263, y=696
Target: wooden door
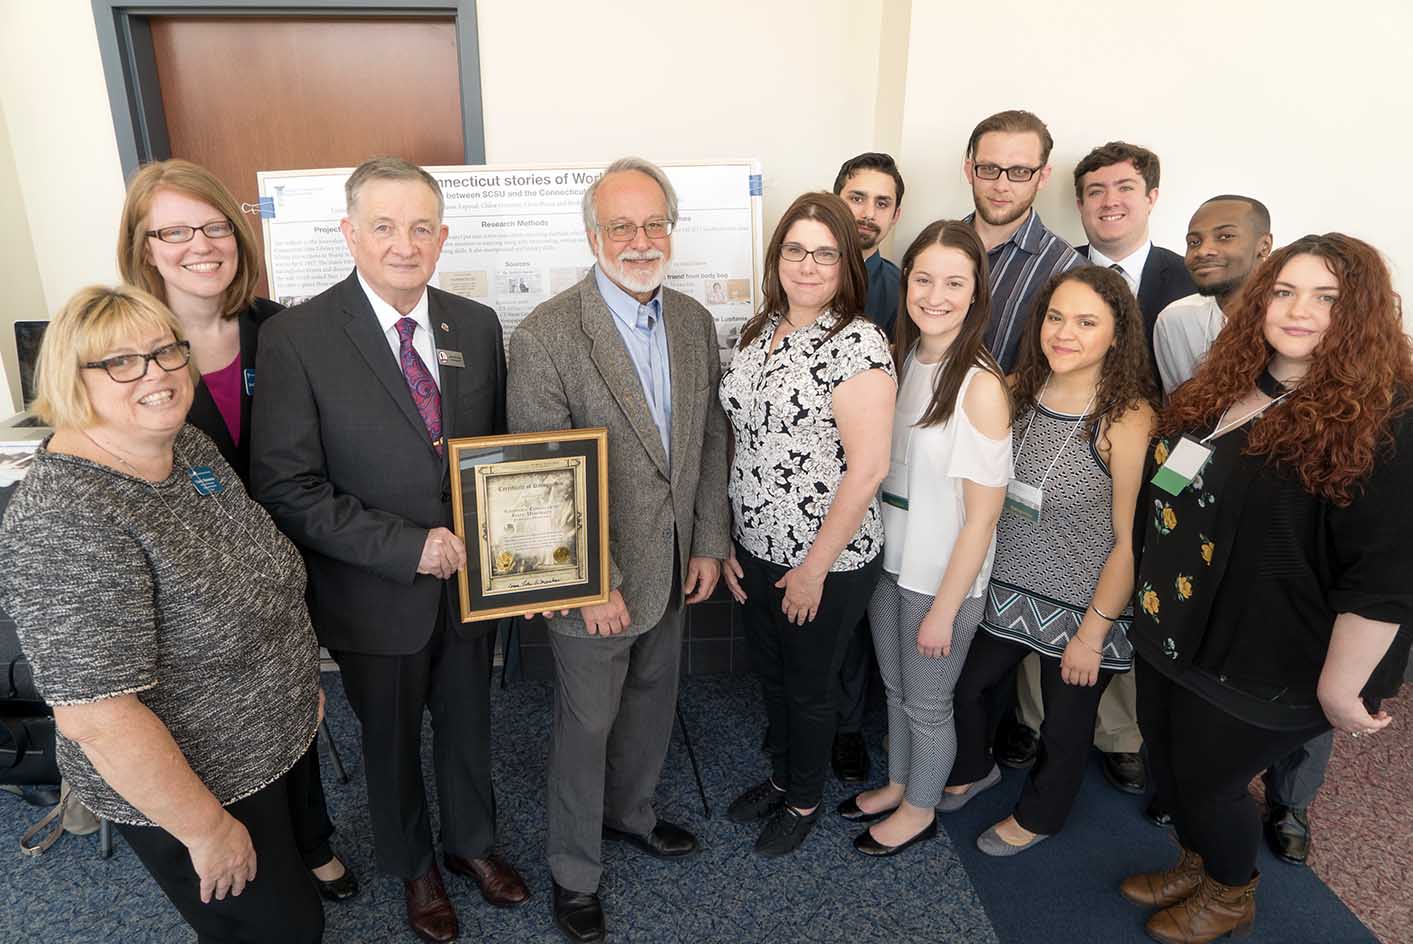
x=244, y=94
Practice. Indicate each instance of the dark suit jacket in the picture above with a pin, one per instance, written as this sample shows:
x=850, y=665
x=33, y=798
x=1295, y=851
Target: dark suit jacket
x=206, y=416
x=1163, y=282
x=342, y=460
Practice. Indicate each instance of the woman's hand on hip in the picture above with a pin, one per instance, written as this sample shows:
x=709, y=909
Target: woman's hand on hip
x=224, y=859
x=1079, y=665
x=800, y=603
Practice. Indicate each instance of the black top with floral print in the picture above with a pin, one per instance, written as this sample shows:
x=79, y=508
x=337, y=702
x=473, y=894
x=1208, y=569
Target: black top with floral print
x=1240, y=576
x=789, y=457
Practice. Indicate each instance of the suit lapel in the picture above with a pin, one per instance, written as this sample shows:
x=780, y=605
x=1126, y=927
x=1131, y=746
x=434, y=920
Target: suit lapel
x=684, y=358
x=445, y=338
x=367, y=336
x=616, y=367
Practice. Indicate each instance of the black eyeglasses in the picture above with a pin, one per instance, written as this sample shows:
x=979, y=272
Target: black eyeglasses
x=130, y=368
x=824, y=255
x=216, y=229
x=1016, y=174
x=623, y=231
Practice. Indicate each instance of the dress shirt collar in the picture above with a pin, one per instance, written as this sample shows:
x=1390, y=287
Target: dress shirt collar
x=1028, y=238
x=1132, y=264
x=624, y=306
x=388, y=316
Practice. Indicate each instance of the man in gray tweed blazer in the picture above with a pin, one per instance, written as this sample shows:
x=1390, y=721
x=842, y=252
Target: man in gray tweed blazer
x=619, y=350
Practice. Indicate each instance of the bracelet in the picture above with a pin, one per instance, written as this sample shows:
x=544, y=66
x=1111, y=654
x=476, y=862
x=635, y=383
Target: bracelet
x=1103, y=615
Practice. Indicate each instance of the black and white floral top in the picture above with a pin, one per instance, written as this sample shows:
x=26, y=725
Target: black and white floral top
x=789, y=458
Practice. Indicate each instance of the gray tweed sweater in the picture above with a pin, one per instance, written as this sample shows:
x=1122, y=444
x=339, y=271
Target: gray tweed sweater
x=194, y=603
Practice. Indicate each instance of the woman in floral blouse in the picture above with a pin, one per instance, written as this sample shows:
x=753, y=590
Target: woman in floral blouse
x=1274, y=562
x=810, y=398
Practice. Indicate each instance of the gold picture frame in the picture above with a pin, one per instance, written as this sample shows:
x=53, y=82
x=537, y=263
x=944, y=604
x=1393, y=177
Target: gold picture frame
x=532, y=509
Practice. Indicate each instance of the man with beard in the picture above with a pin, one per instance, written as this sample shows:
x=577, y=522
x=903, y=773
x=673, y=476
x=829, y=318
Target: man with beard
x=1228, y=237
x=1007, y=164
x=620, y=351
x=872, y=189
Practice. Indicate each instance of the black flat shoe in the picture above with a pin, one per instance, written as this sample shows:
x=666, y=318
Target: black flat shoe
x=1125, y=772
x=849, y=809
x=665, y=841
x=340, y=889
x=1016, y=747
x=578, y=915
x=785, y=831
x=865, y=843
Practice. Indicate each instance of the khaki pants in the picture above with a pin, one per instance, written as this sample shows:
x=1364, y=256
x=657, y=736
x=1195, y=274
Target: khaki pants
x=1115, y=731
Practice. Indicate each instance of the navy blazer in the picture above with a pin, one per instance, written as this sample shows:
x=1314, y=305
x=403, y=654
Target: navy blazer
x=206, y=416
x=1163, y=282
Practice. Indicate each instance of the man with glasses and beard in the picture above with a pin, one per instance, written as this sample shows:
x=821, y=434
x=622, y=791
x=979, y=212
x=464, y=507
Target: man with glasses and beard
x=872, y=189
x=619, y=350
x=1007, y=164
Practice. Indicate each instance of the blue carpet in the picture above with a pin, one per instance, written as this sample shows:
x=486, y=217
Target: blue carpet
x=942, y=891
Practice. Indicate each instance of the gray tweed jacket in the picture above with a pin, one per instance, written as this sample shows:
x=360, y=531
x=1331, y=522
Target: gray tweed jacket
x=569, y=369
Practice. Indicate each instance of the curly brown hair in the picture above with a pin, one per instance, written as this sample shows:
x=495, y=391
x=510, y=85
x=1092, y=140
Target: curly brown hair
x=1330, y=429
x=1126, y=375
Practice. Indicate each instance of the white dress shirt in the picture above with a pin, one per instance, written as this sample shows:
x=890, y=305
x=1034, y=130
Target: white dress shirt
x=1130, y=266
x=422, y=341
x=1182, y=335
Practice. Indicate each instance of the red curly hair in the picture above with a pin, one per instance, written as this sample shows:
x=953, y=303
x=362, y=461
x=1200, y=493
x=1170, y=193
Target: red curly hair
x=1331, y=428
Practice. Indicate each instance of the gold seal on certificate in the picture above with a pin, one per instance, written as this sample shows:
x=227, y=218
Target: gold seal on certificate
x=531, y=508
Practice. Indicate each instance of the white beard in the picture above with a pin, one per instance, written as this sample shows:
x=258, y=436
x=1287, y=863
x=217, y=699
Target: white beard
x=613, y=267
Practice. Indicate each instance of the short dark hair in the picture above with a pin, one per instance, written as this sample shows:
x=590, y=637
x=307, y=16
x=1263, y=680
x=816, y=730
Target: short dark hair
x=1259, y=214
x=1016, y=121
x=871, y=160
x=1116, y=152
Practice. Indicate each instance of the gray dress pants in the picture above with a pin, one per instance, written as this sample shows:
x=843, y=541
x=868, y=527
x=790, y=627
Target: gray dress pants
x=1294, y=780
x=615, y=698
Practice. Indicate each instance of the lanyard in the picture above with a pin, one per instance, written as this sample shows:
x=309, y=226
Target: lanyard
x=1063, y=446
x=1222, y=427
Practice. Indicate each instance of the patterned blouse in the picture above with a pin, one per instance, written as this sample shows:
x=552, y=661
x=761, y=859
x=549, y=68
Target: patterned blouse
x=789, y=457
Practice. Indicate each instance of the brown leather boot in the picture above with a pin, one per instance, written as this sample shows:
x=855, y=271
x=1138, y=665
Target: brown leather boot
x=1212, y=911
x=1162, y=889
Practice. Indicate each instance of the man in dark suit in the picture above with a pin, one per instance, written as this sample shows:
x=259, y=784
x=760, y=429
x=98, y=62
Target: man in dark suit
x=360, y=387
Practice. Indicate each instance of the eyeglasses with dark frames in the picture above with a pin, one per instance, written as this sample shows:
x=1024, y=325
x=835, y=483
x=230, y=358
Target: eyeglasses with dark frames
x=824, y=255
x=216, y=229
x=130, y=368
x=622, y=231
x=1016, y=173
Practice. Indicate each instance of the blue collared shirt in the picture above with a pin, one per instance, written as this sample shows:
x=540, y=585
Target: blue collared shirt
x=882, y=306
x=645, y=337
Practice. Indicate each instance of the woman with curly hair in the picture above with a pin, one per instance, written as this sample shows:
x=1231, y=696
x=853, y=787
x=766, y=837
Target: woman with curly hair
x=1274, y=561
x=1063, y=575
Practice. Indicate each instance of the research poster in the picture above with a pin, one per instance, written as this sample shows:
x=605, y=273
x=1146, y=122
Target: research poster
x=516, y=235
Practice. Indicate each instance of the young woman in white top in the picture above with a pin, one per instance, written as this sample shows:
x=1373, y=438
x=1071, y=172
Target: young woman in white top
x=946, y=485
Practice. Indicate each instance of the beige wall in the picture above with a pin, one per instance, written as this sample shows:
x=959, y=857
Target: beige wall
x=24, y=296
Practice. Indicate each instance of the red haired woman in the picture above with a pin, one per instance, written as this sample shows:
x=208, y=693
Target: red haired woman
x=1273, y=575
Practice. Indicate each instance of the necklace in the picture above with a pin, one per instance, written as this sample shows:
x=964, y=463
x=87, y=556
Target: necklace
x=162, y=499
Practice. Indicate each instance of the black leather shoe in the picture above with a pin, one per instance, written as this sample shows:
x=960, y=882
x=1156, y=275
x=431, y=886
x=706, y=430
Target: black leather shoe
x=865, y=843
x=666, y=841
x=1125, y=772
x=1288, y=833
x=578, y=915
x=785, y=831
x=340, y=889
x=849, y=809
x=1157, y=815
x=850, y=757
x=1016, y=747
x=756, y=803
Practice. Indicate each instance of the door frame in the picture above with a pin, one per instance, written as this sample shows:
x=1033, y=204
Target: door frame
x=130, y=67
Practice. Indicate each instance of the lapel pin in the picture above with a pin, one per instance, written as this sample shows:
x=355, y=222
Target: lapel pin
x=445, y=326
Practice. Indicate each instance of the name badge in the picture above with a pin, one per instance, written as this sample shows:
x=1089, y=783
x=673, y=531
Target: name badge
x=450, y=358
x=1024, y=499
x=1184, y=463
x=248, y=375
x=205, y=481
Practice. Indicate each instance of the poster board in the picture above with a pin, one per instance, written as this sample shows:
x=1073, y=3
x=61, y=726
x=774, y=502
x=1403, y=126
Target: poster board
x=516, y=235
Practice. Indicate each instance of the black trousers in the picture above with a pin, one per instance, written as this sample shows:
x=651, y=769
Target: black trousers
x=307, y=810
x=798, y=668
x=281, y=906
x=1202, y=760
x=450, y=678
x=1065, y=734
x=857, y=669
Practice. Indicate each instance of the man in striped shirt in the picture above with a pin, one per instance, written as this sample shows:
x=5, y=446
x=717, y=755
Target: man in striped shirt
x=1007, y=163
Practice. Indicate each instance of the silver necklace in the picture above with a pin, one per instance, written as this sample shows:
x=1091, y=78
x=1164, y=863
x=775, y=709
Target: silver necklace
x=162, y=499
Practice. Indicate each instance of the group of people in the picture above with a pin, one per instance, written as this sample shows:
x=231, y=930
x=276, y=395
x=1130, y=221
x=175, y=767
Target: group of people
x=961, y=467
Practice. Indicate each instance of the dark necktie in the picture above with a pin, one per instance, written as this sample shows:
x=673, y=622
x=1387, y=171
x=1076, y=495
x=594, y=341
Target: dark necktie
x=425, y=395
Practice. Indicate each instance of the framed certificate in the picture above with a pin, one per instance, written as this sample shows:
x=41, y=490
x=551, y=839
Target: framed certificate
x=533, y=511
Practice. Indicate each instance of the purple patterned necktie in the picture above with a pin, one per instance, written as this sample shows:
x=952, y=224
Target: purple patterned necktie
x=419, y=380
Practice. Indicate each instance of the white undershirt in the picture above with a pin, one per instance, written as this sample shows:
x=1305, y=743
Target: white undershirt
x=1131, y=264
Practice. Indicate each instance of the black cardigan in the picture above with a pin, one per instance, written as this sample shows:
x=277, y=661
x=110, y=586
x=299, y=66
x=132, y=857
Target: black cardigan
x=206, y=416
